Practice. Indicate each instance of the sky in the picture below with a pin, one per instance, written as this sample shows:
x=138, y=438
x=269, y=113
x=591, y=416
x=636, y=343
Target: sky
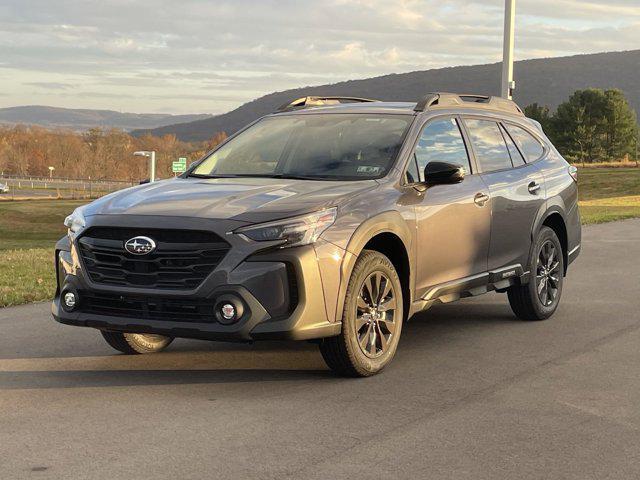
x=210, y=56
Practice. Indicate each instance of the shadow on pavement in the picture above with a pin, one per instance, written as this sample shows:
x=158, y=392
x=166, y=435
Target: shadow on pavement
x=194, y=362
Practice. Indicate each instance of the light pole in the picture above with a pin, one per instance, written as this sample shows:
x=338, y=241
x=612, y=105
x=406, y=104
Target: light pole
x=152, y=162
x=508, y=84
x=51, y=169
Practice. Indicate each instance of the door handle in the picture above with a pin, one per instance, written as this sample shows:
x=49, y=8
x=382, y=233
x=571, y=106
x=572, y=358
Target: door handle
x=480, y=199
x=533, y=188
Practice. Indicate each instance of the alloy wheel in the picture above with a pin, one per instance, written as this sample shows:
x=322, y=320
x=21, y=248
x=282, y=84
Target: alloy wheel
x=376, y=315
x=548, y=273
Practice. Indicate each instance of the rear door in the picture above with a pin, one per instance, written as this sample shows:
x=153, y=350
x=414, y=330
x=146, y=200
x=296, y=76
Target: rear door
x=454, y=220
x=516, y=189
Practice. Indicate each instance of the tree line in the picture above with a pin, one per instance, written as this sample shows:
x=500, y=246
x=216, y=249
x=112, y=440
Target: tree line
x=592, y=125
x=98, y=154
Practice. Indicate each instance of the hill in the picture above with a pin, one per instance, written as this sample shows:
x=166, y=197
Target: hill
x=82, y=119
x=548, y=81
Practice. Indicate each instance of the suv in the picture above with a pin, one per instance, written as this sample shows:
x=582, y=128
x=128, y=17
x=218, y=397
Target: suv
x=333, y=220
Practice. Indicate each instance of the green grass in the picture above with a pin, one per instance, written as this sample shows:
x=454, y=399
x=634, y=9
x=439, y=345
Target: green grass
x=33, y=223
x=29, y=229
x=608, y=182
x=603, y=210
x=26, y=276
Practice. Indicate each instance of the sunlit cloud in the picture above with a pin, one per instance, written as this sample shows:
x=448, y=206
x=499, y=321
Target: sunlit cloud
x=193, y=56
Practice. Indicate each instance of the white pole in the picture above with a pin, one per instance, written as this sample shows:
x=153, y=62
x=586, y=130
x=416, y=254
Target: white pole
x=508, y=84
x=152, y=167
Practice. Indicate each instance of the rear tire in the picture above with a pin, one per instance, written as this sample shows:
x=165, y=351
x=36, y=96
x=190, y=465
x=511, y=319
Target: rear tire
x=371, y=319
x=539, y=299
x=136, y=343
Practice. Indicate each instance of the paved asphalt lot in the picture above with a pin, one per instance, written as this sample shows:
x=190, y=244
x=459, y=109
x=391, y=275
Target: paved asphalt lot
x=473, y=393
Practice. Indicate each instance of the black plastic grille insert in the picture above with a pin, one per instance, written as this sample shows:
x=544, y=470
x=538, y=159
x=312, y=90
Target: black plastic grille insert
x=182, y=258
x=148, y=308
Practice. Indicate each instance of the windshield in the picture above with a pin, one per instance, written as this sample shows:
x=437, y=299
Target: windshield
x=314, y=146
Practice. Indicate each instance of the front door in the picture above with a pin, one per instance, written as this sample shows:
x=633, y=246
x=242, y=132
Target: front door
x=453, y=221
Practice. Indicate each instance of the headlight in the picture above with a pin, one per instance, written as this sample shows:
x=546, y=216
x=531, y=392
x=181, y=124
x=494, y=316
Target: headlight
x=293, y=232
x=75, y=222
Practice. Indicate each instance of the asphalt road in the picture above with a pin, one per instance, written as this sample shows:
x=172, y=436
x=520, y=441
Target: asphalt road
x=473, y=393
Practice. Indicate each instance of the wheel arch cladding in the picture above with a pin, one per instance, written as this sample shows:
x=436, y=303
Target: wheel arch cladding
x=555, y=222
x=391, y=246
x=387, y=223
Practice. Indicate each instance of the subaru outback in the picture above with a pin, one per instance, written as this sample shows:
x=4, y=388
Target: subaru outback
x=333, y=220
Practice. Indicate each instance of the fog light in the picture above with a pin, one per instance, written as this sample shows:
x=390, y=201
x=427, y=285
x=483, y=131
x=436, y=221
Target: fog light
x=228, y=311
x=70, y=300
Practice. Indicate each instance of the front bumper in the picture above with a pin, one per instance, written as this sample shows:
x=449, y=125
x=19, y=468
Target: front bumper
x=282, y=293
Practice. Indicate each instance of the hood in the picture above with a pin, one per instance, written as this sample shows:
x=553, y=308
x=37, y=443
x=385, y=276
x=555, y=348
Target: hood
x=243, y=199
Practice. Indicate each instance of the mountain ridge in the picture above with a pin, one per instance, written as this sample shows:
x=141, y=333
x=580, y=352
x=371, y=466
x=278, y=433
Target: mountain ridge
x=547, y=81
x=84, y=118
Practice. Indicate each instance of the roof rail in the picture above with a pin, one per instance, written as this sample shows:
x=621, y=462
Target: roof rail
x=486, y=102
x=307, y=102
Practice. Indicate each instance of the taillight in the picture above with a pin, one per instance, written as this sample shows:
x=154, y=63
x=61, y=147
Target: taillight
x=573, y=171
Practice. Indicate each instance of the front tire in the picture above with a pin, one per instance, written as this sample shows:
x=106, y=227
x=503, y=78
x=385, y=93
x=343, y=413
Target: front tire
x=371, y=319
x=539, y=299
x=136, y=343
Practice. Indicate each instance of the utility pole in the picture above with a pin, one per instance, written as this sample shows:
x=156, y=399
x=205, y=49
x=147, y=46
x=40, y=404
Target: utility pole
x=508, y=84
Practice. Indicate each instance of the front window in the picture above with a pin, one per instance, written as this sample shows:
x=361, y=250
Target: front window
x=314, y=146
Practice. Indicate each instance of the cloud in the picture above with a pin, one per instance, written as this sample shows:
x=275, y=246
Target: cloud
x=50, y=85
x=154, y=55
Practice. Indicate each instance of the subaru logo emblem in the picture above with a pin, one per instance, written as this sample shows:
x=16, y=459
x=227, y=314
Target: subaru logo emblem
x=140, y=245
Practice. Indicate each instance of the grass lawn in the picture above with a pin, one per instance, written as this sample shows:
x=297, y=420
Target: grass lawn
x=26, y=276
x=597, y=183
x=33, y=223
x=29, y=229
x=602, y=210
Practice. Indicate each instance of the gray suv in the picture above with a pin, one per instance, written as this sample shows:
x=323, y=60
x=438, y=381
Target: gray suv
x=333, y=220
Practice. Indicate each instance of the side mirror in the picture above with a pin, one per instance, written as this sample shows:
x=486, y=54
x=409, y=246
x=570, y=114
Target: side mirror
x=439, y=173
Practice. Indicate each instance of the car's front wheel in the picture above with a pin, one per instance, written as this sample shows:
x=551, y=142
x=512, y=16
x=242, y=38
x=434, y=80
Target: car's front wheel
x=371, y=320
x=539, y=299
x=134, y=343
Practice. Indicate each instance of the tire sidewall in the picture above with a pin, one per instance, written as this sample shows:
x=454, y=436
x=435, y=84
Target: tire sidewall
x=368, y=264
x=147, y=343
x=544, y=235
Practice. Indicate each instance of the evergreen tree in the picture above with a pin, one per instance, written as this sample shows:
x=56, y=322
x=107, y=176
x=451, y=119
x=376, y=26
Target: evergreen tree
x=542, y=115
x=621, y=126
x=592, y=125
x=579, y=125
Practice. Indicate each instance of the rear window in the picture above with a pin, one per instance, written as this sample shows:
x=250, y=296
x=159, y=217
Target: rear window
x=516, y=157
x=488, y=145
x=530, y=147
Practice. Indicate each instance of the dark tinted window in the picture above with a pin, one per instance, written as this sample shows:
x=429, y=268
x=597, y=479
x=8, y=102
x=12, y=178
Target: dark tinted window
x=529, y=145
x=516, y=156
x=441, y=141
x=323, y=146
x=488, y=145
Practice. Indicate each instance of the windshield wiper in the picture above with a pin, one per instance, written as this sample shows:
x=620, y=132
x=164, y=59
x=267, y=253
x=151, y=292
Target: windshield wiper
x=202, y=175
x=286, y=176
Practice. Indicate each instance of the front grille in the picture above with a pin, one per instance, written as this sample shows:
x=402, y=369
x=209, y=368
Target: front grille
x=147, y=308
x=181, y=260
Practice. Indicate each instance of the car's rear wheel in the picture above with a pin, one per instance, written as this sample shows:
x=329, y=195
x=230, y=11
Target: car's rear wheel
x=135, y=343
x=371, y=320
x=539, y=299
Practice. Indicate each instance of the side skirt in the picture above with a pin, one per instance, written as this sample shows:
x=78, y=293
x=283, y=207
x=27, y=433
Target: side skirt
x=495, y=280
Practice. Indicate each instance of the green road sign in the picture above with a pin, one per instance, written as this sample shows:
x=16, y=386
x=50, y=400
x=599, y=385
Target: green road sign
x=182, y=160
x=178, y=167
